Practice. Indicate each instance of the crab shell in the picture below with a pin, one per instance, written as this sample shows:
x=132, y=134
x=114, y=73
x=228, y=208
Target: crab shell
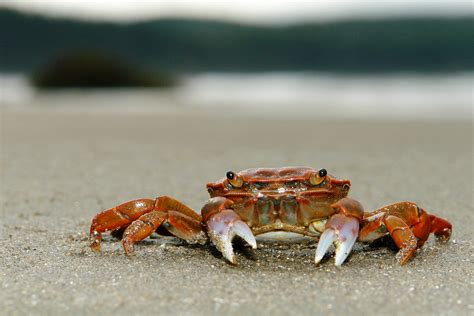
x=273, y=199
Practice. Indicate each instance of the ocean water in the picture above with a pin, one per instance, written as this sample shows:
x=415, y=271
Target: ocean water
x=401, y=96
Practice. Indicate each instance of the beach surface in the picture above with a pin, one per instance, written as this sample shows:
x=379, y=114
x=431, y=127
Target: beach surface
x=60, y=167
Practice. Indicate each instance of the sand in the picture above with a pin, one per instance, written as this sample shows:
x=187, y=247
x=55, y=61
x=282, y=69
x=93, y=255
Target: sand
x=59, y=168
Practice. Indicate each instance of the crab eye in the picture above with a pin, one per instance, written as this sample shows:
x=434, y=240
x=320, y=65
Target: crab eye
x=322, y=173
x=230, y=175
x=318, y=178
x=234, y=179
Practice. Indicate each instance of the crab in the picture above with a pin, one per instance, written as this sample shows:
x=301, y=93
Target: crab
x=252, y=202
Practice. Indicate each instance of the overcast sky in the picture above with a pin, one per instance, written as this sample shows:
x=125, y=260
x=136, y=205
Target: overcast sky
x=259, y=11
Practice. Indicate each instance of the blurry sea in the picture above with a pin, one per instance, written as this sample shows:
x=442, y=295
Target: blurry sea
x=401, y=96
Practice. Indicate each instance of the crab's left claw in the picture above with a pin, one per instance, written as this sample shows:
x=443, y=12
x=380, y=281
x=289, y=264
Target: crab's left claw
x=223, y=227
x=343, y=231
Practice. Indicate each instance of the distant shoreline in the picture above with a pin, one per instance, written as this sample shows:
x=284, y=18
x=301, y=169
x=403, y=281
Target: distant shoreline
x=315, y=95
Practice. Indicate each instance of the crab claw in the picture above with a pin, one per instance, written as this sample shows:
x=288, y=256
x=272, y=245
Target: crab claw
x=343, y=231
x=222, y=227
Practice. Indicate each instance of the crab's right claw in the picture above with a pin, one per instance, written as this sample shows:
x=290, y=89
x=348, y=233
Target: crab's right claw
x=343, y=231
x=222, y=227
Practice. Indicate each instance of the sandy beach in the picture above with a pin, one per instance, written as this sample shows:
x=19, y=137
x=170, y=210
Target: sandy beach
x=59, y=168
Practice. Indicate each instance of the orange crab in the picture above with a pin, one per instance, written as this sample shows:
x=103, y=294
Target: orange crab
x=300, y=200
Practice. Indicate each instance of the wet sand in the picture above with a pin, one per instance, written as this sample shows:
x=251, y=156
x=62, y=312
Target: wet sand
x=60, y=168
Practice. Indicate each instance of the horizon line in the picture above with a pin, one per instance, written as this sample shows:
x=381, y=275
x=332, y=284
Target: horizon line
x=289, y=22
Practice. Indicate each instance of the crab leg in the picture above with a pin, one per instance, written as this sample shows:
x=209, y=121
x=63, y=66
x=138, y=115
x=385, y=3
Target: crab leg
x=223, y=224
x=408, y=225
x=118, y=217
x=400, y=232
x=342, y=229
x=402, y=236
x=142, y=217
x=180, y=225
x=440, y=227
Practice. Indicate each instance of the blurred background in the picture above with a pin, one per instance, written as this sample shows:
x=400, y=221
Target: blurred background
x=331, y=59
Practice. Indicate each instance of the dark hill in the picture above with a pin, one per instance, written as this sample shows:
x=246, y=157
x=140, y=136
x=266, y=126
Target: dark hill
x=180, y=45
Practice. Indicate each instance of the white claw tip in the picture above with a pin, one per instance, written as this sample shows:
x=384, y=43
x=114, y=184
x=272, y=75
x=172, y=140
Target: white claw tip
x=241, y=229
x=325, y=242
